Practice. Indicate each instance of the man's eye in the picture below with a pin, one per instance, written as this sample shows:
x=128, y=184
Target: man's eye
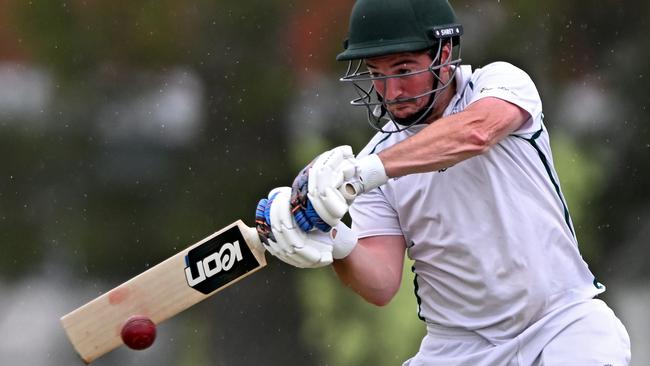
x=403, y=71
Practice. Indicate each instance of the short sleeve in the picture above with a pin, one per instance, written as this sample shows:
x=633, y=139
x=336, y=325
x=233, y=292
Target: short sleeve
x=508, y=82
x=372, y=215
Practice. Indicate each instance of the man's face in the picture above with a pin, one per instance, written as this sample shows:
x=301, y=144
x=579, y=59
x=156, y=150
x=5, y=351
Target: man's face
x=399, y=86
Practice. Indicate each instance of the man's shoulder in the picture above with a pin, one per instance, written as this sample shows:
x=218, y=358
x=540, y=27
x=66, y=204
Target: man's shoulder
x=499, y=69
x=497, y=66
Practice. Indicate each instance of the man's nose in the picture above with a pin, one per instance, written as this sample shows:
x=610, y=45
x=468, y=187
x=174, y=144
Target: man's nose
x=392, y=88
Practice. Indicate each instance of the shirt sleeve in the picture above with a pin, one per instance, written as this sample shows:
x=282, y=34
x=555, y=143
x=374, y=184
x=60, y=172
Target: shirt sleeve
x=372, y=215
x=508, y=82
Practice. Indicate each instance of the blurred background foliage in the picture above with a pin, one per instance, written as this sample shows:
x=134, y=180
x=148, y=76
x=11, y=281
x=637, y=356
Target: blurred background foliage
x=129, y=130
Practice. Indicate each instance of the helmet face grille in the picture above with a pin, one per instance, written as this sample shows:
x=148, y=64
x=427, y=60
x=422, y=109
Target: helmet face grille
x=379, y=115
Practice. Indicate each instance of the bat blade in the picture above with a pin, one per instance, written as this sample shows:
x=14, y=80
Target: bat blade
x=166, y=289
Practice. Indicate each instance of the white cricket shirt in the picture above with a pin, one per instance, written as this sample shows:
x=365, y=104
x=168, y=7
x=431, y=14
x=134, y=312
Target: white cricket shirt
x=491, y=237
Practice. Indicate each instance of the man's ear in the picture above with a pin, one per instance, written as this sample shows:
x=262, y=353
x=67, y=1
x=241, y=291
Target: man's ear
x=445, y=53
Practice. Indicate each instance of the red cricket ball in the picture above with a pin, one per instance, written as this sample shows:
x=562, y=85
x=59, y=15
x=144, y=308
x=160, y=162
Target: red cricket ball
x=138, y=332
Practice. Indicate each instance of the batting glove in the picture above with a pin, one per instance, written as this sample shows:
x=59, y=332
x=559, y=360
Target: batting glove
x=323, y=191
x=284, y=239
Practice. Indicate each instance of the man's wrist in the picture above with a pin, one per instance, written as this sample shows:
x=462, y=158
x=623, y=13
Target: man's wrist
x=371, y=171
x=343, y=239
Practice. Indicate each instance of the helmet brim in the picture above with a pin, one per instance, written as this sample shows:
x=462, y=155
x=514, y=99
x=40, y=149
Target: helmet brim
x=383, y=49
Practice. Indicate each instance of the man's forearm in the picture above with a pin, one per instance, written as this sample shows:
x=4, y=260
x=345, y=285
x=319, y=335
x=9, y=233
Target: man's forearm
x=453, y=139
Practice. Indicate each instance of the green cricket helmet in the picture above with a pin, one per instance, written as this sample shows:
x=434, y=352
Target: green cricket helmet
x=385, y=27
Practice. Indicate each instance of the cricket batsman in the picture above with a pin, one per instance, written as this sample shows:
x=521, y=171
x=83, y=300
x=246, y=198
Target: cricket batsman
x=459, y=177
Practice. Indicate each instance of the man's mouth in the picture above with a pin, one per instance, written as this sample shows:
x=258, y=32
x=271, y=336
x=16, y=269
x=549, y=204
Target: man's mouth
x=403, y=107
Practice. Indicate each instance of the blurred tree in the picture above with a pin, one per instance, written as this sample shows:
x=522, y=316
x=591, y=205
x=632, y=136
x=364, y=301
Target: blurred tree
x=104, y=54
x=103, y=187
x=623, y=215
x=351, y=331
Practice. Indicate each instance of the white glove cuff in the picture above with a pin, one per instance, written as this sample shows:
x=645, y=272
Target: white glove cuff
x=372, y=173
x=344, y=242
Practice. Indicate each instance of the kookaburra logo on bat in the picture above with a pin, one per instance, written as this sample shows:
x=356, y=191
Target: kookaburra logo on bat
x=223, y=260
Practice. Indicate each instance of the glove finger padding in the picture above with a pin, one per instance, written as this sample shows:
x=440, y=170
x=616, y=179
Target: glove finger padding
x=293, y=245
x=282, y=219
x=329, y=204
x=271, y=246
x=325, y=177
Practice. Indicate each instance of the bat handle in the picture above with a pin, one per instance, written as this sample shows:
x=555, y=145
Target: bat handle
x=351, y=189
x=251, y=236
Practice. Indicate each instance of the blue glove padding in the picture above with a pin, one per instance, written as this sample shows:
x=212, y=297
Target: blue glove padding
x=301, y=207
x=263, y=219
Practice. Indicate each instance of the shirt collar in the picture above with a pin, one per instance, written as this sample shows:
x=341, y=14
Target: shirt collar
x=462, y=76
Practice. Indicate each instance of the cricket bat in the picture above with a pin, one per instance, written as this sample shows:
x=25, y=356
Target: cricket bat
x=165, y=290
